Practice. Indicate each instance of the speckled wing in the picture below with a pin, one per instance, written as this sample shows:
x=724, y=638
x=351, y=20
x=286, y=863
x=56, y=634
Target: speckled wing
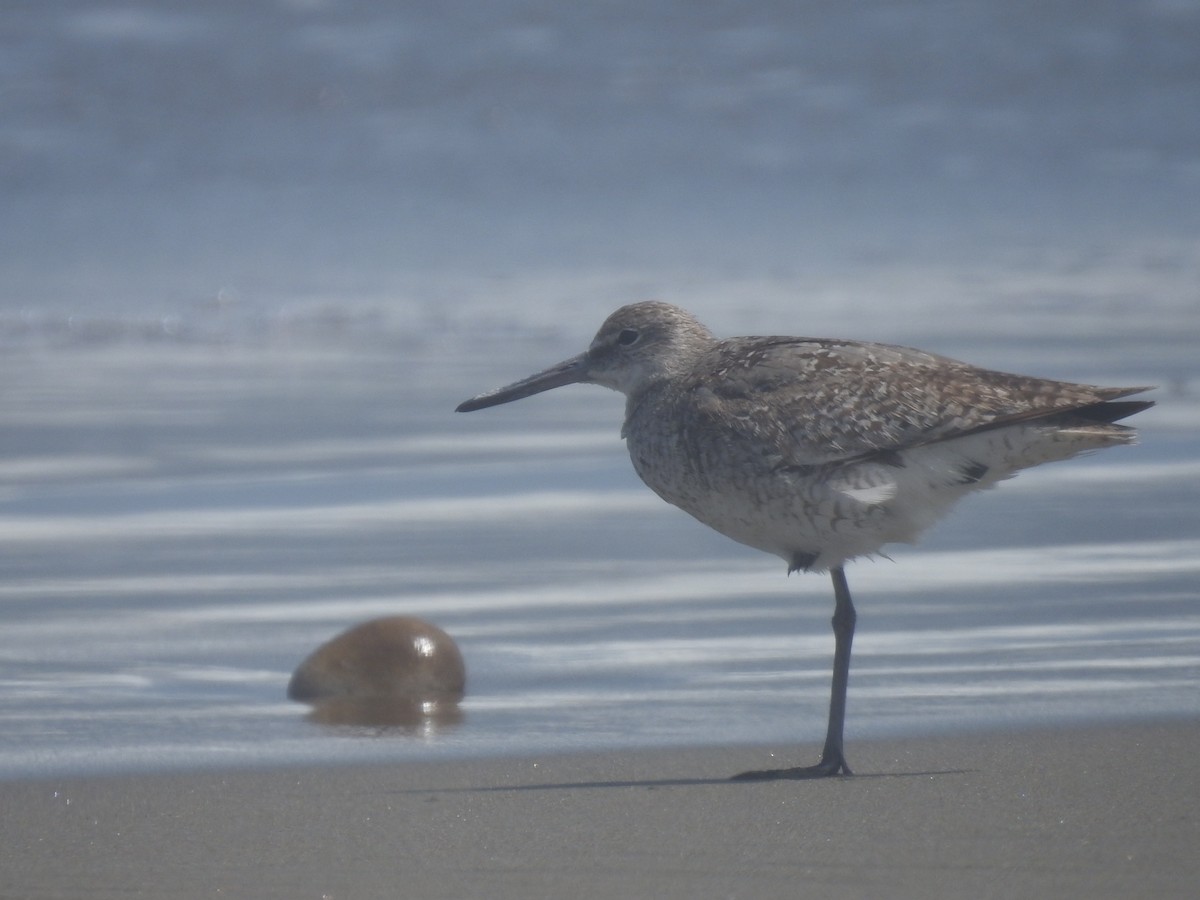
x=817, y=402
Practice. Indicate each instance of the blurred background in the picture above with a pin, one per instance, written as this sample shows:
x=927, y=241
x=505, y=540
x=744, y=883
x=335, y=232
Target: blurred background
x=252, y=254
x=178, y=162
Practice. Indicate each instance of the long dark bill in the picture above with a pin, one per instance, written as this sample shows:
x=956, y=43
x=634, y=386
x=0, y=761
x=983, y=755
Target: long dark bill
x=569, y=371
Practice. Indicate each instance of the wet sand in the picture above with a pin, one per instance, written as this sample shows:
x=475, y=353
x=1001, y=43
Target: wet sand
x=1102, y=811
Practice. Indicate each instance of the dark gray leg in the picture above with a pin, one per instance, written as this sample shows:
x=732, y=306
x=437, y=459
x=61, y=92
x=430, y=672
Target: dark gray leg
x=833, y=761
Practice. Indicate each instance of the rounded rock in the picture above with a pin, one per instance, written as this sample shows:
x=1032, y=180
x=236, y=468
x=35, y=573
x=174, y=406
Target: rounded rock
x=397, y=657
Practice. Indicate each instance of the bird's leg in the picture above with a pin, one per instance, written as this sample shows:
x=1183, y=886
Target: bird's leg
x=833, y=761
x=844, y=618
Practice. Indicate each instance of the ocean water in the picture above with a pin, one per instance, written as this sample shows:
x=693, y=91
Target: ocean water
x=254, y=254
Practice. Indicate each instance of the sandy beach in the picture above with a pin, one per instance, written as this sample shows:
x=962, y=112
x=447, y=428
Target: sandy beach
x=1103, y=811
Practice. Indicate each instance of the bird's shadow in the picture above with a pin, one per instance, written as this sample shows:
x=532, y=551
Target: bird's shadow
x=654, y=783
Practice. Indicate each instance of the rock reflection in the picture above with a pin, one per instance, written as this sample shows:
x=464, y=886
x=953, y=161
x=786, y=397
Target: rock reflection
x=414, y=715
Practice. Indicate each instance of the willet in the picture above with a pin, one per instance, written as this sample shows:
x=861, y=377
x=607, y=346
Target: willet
x=818, y=450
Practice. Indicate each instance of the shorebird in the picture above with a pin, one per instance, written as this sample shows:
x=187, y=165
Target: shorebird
x=820, y=451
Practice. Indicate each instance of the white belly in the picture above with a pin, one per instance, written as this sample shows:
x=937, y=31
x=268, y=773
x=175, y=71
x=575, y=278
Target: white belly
x=834, y=513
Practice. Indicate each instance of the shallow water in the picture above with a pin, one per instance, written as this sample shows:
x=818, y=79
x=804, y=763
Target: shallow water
x=254, y=255
x=174, y=544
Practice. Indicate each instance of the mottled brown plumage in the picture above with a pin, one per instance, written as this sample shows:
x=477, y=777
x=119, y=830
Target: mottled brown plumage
x=819, y=450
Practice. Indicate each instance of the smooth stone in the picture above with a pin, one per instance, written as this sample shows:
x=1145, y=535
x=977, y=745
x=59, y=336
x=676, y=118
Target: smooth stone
x=397, y=663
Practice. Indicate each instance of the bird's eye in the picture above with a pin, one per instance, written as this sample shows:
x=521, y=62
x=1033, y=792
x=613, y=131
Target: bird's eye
x=627, y=337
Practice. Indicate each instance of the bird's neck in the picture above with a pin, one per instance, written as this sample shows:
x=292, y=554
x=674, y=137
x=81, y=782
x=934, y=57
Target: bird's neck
x=638, y=403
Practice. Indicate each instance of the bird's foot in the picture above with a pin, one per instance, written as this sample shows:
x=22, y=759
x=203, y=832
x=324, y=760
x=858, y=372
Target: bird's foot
x=826, y=768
